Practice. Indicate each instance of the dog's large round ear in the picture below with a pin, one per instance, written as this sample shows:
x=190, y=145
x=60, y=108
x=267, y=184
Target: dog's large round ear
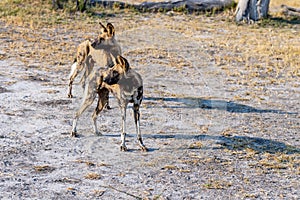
x=117, y=60
x=123, y=62
x=111, y=30
x=88, y=46
x=103, y=27
x=114, y=60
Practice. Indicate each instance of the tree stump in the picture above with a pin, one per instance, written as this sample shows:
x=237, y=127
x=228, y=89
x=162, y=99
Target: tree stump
x=251, y=10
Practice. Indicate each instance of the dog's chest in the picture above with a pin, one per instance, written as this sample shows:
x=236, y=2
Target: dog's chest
x=101, y=57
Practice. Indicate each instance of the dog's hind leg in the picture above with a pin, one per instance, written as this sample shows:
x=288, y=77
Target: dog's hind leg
x=88, y=99
x=136, y=114
x=102, y=101
x=107, y=106
x=87, y=70
x=123, y=134
x=83, y=78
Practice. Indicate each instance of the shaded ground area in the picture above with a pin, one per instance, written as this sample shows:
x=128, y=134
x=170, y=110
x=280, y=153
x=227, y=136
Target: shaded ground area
x=220, y=114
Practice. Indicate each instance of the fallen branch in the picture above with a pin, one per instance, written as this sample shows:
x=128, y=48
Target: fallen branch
x=179, y=5
x=291, y=11
x=121, y=191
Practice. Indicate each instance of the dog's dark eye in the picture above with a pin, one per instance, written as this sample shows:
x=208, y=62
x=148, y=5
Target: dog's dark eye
x=115, y=73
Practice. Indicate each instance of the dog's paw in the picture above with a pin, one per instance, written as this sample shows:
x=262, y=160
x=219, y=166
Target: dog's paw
x=144, y=148
x=107, y=107
x=70, y=96
x=73, y=134
x=98, y=133
x=123, y=148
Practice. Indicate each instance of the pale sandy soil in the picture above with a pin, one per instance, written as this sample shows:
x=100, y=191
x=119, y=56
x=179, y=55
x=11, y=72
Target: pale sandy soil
x=221, y=122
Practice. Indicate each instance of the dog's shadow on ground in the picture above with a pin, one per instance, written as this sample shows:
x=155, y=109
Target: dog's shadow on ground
x=260, y=145
x=232, y=143
x=235, y=143
x=191, y=102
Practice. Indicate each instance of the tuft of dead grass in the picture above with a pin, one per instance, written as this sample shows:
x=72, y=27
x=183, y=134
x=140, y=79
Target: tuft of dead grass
x=88, y=163
x=277, y=3
x=44, y=168
x=98, y=193
x=278, y=161
x=170, y=167
x=196, y=145
x=217, y=184
x=92, y=176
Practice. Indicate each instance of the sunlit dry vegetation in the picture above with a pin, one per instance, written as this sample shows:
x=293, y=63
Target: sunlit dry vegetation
x=41, y=33
x=45, y=34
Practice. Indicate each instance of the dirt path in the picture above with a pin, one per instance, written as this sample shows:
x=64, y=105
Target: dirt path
x=214, y=130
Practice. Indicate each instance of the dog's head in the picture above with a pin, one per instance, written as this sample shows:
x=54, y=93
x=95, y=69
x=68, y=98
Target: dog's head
x=107, y=33
x=114, y=74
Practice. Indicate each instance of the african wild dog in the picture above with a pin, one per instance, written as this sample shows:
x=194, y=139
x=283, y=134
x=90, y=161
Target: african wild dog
x=105, y=44
x=127, y=86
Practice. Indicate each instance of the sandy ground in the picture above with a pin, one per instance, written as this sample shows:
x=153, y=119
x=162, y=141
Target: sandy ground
x=210, y=134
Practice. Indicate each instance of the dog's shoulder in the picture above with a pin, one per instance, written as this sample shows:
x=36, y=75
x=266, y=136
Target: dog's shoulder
x=134, y=76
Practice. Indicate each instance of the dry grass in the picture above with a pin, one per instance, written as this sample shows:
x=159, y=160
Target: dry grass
x=293, y=3
x=217, y=184
x=196, y=145
x=38, y=36
x=260, y=52
x=92, y=176
x=44, y=168
x=278, y=161
x=98, y=193
x=88, y=163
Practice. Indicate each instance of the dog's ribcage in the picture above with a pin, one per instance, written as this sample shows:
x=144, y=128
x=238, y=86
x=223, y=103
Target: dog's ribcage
x=132, y=87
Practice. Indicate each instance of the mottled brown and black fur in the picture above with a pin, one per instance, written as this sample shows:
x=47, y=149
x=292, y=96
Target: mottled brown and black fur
x=127, y=86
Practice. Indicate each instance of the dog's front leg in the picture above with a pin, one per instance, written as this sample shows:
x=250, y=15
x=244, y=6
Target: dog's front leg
x=74, y=130
x=123, y=134
x=75, y=70
x=72, y=76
